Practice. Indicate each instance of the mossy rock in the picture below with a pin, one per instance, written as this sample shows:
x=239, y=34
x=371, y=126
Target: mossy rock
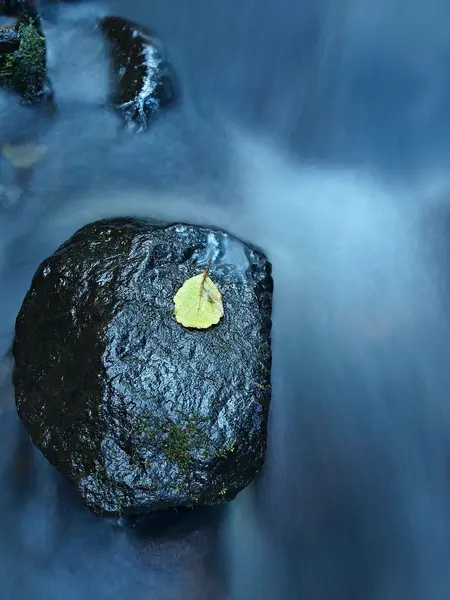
x=23, y=63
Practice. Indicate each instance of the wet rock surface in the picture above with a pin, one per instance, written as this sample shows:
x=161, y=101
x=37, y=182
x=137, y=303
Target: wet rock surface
x=142, y=79
x=23, y=63
x=139, y=412
x=9, y=39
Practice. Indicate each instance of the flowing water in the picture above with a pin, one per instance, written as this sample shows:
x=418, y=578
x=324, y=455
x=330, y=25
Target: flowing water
x=319, y=131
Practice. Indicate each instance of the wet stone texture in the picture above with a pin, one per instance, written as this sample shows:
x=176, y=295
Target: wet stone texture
x=139, y=412
x=142, y=79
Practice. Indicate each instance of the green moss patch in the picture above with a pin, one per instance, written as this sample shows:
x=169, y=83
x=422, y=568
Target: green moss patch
x=185, y=442
x=181, y=440
x=24, y=70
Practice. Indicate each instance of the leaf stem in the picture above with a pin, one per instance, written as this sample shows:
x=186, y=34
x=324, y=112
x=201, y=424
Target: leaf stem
x=202, y=284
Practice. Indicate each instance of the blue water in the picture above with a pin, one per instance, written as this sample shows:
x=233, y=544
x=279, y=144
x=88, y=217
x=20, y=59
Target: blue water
x=319, y=131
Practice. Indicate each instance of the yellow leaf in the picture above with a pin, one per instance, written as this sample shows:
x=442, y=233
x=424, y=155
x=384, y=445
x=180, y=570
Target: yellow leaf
x=198, y=302
x=23, y=156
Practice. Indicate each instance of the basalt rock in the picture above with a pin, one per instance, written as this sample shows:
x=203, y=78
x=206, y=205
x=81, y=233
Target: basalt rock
x=139, y=412
x=142, y=80
x=23, y=64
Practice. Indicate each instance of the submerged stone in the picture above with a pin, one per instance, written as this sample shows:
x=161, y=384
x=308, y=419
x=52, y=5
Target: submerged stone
x=142, y=78
x=138, y=411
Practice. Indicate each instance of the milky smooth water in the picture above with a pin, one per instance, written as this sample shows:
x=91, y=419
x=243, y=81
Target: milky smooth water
x=319, y=132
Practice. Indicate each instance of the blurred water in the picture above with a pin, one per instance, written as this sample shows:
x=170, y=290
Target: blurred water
x=320, y=132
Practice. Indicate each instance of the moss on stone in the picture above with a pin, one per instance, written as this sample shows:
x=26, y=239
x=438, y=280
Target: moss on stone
x=178, y=444
x=228, y=449
x=24, y=70
x=6, y=65
x=178, y=439
x=183, y=440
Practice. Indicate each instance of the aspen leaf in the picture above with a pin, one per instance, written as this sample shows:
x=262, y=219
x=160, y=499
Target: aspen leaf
x=198, y=302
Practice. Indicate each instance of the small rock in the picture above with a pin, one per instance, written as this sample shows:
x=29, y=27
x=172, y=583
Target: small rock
x=138, y=411
x=142, y=79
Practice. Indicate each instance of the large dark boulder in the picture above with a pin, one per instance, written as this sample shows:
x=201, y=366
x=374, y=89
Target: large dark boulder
x=138, y=411
x=142, y=79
